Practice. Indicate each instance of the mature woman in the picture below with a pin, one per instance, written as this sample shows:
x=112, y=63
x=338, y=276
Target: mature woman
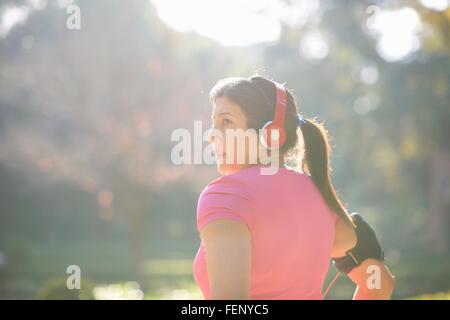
x=271, y=236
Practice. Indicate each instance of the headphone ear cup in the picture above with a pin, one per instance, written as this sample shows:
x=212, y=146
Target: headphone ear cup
x=271, y=133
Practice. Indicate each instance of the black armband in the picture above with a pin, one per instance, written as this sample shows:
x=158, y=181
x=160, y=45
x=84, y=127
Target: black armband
x=367, y=246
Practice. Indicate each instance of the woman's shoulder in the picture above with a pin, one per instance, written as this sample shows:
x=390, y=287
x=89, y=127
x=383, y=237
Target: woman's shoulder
x=234, y=183
x=246, y=180
x=226, y=197
x=239, y=179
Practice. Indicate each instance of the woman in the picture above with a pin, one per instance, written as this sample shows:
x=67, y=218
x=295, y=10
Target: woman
x=272, y=236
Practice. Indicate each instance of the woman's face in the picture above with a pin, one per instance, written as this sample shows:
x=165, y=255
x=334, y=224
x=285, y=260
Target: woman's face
x=228, y=117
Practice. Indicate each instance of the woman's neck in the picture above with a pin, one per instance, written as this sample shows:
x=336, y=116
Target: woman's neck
x=281, y=163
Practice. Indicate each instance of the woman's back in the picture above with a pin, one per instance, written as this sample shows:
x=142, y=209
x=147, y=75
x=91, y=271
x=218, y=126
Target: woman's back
x=291, y=227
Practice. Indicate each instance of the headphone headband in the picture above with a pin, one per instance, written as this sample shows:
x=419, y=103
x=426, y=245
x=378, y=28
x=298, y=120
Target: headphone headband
x=274, y=129
x=280, y=109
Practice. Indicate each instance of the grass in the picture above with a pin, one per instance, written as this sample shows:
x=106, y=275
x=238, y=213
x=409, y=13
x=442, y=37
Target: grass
x=109, y=267
x=432, y=296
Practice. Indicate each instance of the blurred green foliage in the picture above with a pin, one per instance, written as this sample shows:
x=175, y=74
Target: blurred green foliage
x=56, y=289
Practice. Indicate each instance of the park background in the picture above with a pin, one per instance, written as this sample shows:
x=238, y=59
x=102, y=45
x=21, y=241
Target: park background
x=86, y=118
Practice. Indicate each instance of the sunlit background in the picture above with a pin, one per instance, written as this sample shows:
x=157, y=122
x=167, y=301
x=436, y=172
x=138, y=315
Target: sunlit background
x=86, y=116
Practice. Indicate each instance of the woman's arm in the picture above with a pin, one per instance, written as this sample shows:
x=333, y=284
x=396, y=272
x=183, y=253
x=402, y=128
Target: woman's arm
x=372, y=277
x=228, y=259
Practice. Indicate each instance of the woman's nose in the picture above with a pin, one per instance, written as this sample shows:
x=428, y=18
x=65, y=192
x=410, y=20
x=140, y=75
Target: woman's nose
x=214, y=135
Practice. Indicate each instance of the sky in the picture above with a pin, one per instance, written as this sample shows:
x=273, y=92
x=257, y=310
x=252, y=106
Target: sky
x=233, y=22
x=242, y=23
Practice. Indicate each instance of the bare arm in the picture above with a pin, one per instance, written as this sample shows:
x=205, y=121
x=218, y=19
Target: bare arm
x=372, y=278
x=228, y=259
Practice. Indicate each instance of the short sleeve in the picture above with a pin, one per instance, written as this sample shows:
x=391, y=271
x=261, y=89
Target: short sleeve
x=224, y=198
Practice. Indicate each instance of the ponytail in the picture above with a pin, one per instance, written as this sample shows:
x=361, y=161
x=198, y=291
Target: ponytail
x=316, y=164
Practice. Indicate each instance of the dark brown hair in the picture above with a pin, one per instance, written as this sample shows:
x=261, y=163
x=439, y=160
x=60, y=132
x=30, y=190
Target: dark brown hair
x=257, y=98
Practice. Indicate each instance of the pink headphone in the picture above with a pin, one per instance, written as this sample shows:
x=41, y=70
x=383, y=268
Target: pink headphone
x=274, y=129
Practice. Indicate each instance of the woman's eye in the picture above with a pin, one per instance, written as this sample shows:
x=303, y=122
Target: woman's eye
x=223, y=123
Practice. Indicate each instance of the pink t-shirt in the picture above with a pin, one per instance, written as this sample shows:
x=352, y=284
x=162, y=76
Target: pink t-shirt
x=291, y=227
